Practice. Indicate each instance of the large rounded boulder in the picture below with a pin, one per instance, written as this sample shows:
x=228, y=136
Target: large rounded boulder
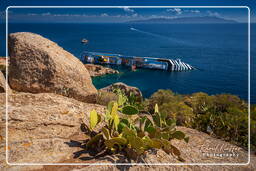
x=38, y=65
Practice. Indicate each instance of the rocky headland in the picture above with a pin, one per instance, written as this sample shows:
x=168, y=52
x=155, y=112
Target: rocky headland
x=49, y=111
x=98, y=70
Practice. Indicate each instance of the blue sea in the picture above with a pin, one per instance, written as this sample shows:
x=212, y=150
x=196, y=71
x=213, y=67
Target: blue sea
x=219, y=51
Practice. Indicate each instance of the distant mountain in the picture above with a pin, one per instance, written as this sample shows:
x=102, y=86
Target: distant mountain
x=185, y=20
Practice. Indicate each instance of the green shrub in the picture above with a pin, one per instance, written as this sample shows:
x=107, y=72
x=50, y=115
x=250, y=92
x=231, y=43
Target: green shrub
x=253, y=127
x=224, y=115
x=161, y=97
x=179, y=111
x=200, y=102
x=128, y=131
x=172, y=105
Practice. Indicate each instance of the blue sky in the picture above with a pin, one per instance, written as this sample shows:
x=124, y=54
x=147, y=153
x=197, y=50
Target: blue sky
x=122, y=14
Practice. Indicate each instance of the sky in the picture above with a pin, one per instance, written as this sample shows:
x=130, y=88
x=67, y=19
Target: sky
x=117, y=15
x=126, y=13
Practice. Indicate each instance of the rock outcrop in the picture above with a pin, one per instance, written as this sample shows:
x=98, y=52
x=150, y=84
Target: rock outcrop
x=3, y=87
x=38, y=65
x=45, y=128
x=3, y=64
x=40, y=125
x=127, y=89
x=98, y=70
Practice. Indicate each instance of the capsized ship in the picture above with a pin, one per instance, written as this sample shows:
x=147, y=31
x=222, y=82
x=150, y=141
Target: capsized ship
x=136, y=62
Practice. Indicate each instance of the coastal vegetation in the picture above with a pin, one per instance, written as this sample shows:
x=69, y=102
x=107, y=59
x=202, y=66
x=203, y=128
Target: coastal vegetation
x=129, y=130
x=224, y=116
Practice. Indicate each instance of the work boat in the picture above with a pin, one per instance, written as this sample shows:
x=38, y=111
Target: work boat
x=136, y=62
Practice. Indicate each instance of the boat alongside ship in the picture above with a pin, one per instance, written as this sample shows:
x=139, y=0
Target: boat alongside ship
x=136, y=62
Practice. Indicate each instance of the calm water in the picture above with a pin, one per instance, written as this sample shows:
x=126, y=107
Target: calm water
x=218, y=50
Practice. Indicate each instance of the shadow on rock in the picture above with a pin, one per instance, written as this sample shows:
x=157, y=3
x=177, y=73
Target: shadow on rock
x=97, y=156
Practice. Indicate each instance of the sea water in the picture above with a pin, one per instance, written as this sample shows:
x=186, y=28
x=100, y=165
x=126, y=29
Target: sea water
x=219, y=51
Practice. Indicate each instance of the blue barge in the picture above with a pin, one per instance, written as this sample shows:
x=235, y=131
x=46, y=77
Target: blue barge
x=136, y=62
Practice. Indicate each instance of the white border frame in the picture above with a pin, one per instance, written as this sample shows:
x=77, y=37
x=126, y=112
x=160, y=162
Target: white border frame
x=168, y=164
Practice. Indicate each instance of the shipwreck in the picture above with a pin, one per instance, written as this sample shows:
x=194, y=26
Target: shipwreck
x=136, y=62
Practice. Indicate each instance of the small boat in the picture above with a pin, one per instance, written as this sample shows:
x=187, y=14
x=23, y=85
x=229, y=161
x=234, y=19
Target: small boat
x=85, y=41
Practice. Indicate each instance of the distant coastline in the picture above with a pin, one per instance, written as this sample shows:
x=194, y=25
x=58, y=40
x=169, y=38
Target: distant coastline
x=187, y=20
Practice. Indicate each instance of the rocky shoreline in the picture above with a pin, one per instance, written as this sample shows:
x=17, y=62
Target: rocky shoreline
x=53, y=97
x=98, y=70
